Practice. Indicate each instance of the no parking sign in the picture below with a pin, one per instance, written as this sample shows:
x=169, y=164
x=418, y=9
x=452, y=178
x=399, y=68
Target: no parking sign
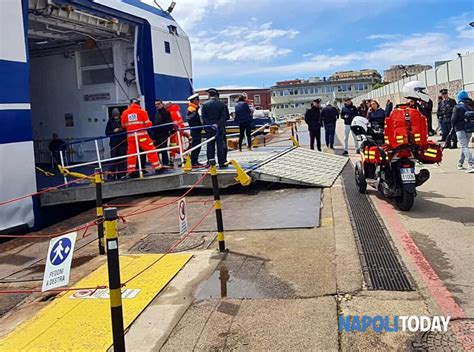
x=58, y=261
x=183, y=217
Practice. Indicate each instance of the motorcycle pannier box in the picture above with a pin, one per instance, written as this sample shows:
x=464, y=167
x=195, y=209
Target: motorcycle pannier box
x=431, y=153
x=372, y=155
x=405, y=126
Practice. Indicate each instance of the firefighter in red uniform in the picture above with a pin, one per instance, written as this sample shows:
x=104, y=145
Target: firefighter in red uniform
x=135, y=119
x=177, y=118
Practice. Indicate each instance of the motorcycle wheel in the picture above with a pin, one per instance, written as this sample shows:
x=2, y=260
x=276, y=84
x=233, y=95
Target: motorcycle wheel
x=360, y=178
x=405, y=201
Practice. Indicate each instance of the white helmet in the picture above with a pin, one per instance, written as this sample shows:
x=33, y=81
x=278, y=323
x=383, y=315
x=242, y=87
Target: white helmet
x=359, y=125
x=415, y=90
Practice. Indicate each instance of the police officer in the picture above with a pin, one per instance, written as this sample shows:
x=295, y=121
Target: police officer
x=312, y=118
x=445, y=111
x=215, y=112
x=194, y=121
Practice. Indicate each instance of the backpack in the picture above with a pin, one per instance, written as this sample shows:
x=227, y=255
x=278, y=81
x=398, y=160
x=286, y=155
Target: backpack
x=405, y=126
x=468, y=118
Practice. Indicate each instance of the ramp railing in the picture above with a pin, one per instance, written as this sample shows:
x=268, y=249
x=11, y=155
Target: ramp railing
x=100, y=161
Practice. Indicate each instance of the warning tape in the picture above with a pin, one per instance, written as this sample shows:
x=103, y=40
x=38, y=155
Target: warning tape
x=177, y=243
x=49, y=189
x=122, y=217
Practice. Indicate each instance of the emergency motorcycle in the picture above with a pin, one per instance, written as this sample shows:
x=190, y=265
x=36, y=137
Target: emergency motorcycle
x=389, y=155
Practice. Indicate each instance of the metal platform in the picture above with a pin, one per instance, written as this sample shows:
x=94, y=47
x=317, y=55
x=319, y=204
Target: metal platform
x=292, y=165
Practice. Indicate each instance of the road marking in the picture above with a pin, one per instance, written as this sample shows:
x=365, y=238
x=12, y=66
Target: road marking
x=438, y=290
x=68, y=324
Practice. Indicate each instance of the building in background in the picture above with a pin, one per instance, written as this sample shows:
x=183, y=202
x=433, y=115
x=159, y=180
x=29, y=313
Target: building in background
x=260, y=97
x=397, y=72
x=365, y=73
x=452, y=75
x=295, y=96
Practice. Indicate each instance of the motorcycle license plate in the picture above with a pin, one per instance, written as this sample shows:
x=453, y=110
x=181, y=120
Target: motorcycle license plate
x=408, y=175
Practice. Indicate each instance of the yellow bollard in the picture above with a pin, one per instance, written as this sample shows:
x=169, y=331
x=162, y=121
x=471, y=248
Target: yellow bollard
x=242, y=176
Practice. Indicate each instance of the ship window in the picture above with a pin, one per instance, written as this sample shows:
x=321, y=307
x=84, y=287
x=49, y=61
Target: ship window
x=256, y=99
x=173, y=29
x=167, y=47
x=96, y=67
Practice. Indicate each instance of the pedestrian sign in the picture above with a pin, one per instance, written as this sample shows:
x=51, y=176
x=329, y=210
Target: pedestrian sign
x=183, y=217
x=58, y=261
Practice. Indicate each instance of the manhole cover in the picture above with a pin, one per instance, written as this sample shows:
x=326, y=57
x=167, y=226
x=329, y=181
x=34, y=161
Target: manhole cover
x=161, y=243
x=459, y=337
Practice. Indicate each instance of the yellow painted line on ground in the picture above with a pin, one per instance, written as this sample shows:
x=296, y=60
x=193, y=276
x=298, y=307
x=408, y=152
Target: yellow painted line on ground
x=71, y=324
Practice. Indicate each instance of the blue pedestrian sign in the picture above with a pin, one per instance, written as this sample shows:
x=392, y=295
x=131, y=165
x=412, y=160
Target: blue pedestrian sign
x=60, y=251
x=58, y=261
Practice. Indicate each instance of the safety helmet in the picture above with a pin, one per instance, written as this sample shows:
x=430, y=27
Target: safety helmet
x=415, y=90
x=359, y=125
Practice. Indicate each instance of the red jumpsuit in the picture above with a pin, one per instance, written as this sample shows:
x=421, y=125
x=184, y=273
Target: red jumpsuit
x=133, y=119
x=176, y=117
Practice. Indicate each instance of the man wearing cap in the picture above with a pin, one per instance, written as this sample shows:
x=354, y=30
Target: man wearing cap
x=161, y=134
x=445, y=111
x=117, y=144
x=349, y=111
x=312, y=118
x=194, y=121
x=215, y=112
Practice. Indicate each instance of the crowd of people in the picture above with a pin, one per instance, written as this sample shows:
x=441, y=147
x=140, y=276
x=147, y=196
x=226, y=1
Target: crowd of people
x=161, y=141
x=453, y=121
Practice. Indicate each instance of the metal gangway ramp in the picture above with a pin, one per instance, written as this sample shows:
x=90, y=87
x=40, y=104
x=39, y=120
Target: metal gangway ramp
x=299, y=166
x=290, y=165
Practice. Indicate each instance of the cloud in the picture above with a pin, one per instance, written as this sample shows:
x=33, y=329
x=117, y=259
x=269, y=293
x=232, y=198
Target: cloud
x=189, y=13
x=244, y=43
x=416, y=48
x=382, y=36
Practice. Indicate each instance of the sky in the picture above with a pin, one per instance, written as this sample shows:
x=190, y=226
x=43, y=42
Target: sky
x=258, y=42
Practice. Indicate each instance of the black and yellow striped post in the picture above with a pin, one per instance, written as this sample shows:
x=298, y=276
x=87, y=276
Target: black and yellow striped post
x=217, y=206
x=99, y=209
x=113, y=266
x=296, y=133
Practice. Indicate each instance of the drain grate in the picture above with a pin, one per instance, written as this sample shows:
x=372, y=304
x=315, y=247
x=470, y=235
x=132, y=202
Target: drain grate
x=459, y=337
x=380, y=263
x=161, y=243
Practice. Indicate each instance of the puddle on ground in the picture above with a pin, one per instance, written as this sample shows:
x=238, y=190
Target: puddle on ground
x=240, y=276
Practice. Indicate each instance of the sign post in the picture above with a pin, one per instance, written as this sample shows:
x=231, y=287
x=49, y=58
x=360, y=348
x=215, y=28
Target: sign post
x=183, y=217
x=58, y=261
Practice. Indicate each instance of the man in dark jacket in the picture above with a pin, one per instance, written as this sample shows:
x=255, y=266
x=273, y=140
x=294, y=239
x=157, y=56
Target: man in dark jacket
x=329, y=115
x=117, y=143
x=55, y=146
x=348, y=112
x=465, y=105
x=194, y=121
x=215, y=112
x=312, y=118
x=426, y=110
x=388, y=107
x=445, y=111
x=161, y=134
x=244, y=118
